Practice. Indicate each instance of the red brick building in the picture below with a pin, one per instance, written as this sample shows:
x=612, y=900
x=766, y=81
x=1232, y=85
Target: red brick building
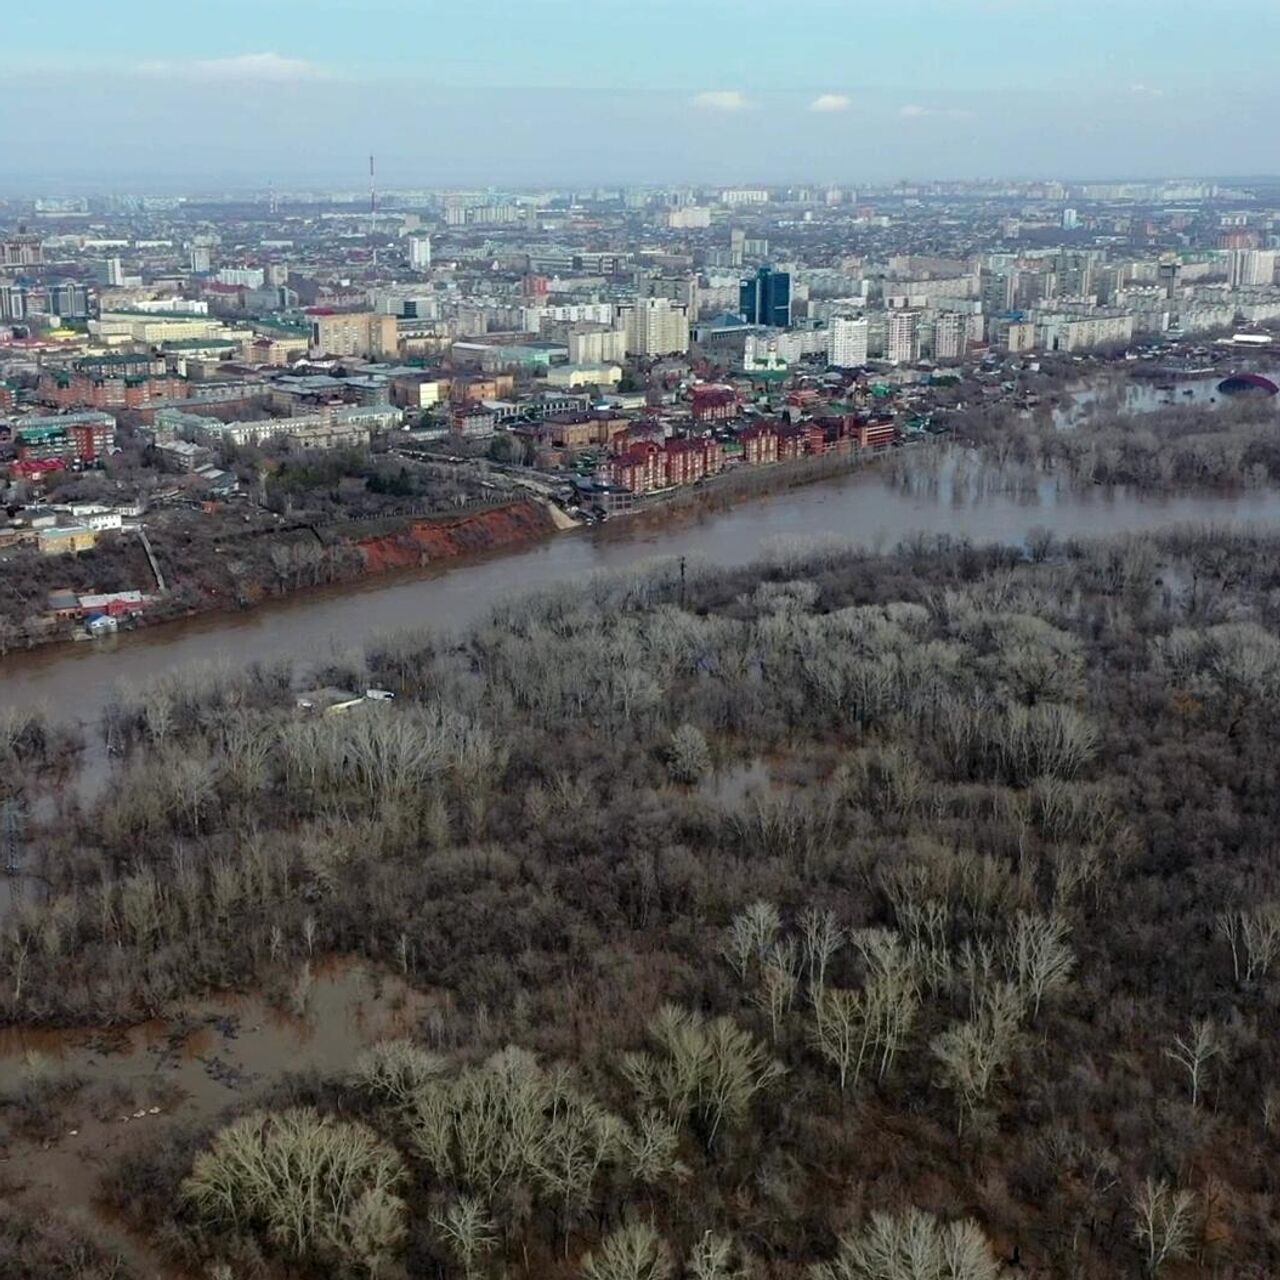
x=80, y=437
x=713, y=402
x=759, y=444
x=96, y=391
x=874, y=435
x=647, y=465
x=793, y=442
x=640, y=468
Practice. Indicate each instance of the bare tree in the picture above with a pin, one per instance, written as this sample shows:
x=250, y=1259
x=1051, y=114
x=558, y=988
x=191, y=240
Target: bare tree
x=632, y=1252
x=751, y=934
x=394, y=1070
x=1038, y=957
x=469, y=1232
x=911, y=1246
x=710, y=1069
x=821, y=937
x=717, y=1257
x=843, y=1030
x=1253, y=934
x=1162, y=1223
x=778, y=982
x=1194, y=1051
x=302, y=1177
x=972, y=1053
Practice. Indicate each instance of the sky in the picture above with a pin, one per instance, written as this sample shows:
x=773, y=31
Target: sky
x=217, y=93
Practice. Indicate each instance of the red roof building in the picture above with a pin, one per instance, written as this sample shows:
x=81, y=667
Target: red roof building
x=759, y=444
x=714, y=402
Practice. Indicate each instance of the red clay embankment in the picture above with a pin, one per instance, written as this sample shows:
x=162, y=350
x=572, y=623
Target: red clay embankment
x=423, y=542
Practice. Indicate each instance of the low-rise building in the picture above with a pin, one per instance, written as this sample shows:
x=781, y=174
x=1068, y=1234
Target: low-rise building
x=584, y=375
x=182, y=455
x=61, y=540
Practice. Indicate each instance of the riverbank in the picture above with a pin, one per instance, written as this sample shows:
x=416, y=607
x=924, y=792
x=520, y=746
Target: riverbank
x=351, y=553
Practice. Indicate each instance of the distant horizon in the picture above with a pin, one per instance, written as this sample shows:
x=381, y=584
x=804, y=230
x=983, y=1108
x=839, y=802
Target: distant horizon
x=175, y=186
x=570, y=92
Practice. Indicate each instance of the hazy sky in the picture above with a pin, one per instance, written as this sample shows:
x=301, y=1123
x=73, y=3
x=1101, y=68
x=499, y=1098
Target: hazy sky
x=213, y=92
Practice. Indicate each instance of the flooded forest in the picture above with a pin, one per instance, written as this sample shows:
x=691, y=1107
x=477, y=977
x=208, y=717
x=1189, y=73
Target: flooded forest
x=846, y=914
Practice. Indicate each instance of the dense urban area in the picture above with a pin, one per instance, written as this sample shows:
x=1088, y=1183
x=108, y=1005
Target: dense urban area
x=208, y=400
x=902, y=911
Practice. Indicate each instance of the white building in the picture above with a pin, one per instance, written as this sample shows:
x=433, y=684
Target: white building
x=420, y=253
x=655, y=327
x=243, y=277
x=950, y=335
x=584, y=375
x=691, y=218
x=1065, y=332
x=596, y=345
x=848, y=342
x=744, y=195
x=902, y=338
x=1247, y=268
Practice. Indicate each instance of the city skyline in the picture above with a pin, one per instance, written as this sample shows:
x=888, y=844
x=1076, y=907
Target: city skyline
x=712, y=91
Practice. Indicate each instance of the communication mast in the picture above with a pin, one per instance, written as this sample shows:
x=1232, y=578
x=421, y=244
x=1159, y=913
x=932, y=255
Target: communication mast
x=373, y=209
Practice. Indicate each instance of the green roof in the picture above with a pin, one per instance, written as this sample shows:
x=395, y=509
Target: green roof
x=123, y=359
x=158, y=315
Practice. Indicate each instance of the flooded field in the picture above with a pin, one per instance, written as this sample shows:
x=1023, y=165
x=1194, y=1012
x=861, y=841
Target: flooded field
x=73, y=1102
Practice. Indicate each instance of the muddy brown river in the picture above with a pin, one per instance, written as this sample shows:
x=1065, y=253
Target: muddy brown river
x=72, y=682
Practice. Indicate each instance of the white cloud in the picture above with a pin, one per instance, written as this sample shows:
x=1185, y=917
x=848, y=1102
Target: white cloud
x=246, y=66
x=720, y=100
x=1145, y=91
x=830, y=102
x=913, y=111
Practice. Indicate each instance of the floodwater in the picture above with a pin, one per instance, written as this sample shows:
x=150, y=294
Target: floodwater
x=134, y=1084
x=1136, y=396
x=953, y=494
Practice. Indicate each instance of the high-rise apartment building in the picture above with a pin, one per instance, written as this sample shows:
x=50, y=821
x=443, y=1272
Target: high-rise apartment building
x=902, y=337
x=655, y=327
x=950, y=335
x=1247, y=268
x=765, y=298
x=678, y=288
x=420, y=253
x=849, y=342
x=69, y=299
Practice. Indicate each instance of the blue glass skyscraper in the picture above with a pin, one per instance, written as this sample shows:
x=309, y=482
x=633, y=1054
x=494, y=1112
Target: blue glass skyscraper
x=765, y=298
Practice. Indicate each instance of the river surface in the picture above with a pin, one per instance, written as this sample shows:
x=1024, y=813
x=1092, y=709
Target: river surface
x=957, y=496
